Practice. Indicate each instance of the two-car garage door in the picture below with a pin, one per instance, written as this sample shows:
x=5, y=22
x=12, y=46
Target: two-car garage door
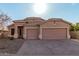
x=54, y=33
x=48, y=33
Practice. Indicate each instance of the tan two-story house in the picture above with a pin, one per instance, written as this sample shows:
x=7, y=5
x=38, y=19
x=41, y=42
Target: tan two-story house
x=38, y=28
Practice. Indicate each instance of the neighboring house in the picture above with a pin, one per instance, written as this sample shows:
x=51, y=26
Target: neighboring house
x=38, y=28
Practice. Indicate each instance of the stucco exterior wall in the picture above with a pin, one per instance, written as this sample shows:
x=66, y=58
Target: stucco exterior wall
x=33, y=24
x=55, y=24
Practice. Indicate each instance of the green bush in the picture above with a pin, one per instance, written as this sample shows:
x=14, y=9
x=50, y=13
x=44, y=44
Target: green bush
x=74, y=27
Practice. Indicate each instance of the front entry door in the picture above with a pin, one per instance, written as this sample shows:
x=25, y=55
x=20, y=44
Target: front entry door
x=20, y=31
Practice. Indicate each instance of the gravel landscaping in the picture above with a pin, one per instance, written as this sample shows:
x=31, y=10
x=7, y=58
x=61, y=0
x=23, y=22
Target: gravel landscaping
x=10, y=46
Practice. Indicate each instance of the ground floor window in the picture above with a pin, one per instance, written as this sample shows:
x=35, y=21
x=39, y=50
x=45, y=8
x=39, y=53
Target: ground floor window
x=12, y=31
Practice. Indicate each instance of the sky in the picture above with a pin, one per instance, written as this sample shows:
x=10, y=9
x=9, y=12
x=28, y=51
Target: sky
x=66, y=11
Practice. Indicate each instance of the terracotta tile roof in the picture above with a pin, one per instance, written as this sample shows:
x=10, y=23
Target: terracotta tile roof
x=10, y=25
x=39, y=20
x=58, y=19
x=31, y=20
x=18, y=21
x=34, y=18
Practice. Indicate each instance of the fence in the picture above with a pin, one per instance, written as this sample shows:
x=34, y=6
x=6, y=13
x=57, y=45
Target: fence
x=74, y=34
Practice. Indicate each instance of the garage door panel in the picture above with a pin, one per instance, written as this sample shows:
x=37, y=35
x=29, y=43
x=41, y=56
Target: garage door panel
x=32, y=34
x=54, y=33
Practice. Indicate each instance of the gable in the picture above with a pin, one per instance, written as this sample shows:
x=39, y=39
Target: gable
x=55, y=23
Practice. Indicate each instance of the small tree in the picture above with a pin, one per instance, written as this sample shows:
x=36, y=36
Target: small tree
x=77, y=26
x=74, y=27
x=4, y=20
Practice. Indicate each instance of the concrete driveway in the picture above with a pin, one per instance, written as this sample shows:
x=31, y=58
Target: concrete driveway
x=49, y=48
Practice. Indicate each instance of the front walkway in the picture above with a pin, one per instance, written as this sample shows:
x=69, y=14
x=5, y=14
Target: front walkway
x=49, y=47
